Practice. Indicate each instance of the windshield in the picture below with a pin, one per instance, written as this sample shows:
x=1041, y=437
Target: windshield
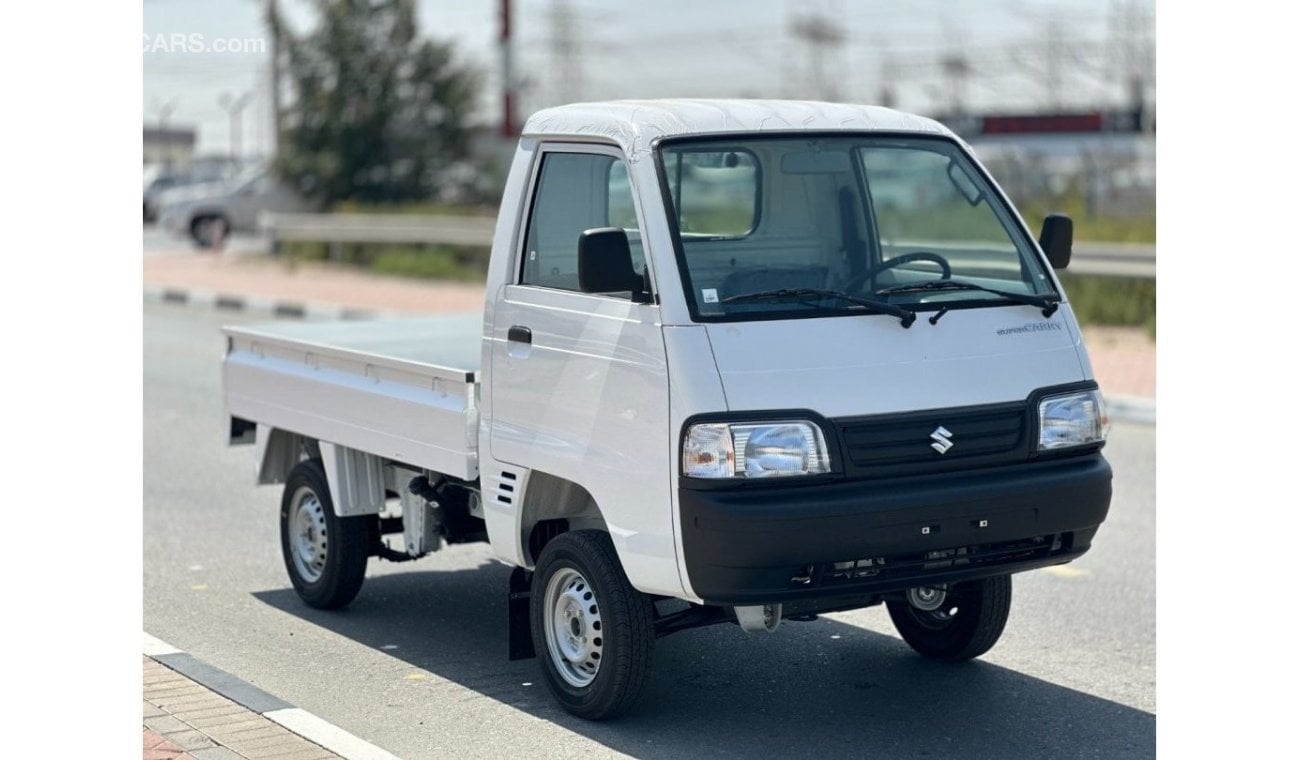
x=866, y=216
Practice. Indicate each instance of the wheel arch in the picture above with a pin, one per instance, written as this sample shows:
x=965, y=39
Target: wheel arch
x=355, y=478
x=276, y=451
x=206, y=212
x=551, y=506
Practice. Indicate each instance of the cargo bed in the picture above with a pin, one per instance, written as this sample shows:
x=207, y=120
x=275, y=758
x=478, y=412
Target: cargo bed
x=402, y=389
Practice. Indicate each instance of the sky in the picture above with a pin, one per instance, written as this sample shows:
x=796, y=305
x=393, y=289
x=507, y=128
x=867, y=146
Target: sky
x=931, y=55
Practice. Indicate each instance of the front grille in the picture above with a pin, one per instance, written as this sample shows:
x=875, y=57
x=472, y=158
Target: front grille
x=901, y=444
x=904, y=567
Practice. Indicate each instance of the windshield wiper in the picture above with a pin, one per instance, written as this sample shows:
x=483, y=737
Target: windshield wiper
x=1048, y=303
x=905, y=316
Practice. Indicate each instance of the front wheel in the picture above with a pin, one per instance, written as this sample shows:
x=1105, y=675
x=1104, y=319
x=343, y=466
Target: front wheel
x=325, y=554
x=593, y=632
x=959, y=622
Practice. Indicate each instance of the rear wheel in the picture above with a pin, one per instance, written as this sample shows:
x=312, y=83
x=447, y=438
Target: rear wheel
x=954, y=623
x=593, y=632
x=325, y=554
x=210, y=231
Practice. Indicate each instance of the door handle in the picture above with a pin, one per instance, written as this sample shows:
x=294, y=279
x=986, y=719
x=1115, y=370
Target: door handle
x=520, y=334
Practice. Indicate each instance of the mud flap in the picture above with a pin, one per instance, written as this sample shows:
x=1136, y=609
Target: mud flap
x=521, y=634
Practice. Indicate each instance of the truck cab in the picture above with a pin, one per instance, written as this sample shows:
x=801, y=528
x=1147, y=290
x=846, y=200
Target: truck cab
x=740, y=361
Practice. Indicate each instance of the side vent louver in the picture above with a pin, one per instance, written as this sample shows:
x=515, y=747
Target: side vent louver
x=506, y=488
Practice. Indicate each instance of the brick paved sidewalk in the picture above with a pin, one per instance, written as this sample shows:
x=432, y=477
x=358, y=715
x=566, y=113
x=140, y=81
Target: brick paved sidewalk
x=183, y=719
x=1124, y=359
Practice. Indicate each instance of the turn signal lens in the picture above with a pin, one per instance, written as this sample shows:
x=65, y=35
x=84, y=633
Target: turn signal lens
x=754, y=450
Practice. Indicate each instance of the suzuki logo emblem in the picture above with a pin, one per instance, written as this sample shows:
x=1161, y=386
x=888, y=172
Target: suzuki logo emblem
x=942, y=440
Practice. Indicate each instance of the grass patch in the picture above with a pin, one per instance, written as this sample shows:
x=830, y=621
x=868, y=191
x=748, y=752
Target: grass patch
x=1136, y=228
x=435, y=263
x=432, y=262
x=1125, y=301
x=428, y=208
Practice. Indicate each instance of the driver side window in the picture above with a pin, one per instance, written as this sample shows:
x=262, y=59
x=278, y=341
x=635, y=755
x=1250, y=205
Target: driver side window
x=575, y=192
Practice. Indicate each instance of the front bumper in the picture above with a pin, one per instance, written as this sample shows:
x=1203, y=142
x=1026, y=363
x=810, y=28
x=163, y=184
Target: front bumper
x=760, y=544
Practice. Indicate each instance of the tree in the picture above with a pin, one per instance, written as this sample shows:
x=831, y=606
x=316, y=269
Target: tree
x=375, y=113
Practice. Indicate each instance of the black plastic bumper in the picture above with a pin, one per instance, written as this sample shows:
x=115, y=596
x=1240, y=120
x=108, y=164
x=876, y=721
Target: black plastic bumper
x=787, y=543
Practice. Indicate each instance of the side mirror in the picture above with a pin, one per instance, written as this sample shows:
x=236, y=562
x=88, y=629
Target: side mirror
x=605, y=264
x=1057, y=239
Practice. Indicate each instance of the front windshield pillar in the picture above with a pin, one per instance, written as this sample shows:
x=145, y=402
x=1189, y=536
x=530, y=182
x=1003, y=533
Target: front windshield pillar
x=657, y=239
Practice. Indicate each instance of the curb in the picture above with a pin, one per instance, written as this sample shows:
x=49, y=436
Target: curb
x=255, y=305
x=295, y=719
x=1123, y=408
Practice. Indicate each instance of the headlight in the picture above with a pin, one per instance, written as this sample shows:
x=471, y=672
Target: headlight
x=754, y=450
x=1076, y=419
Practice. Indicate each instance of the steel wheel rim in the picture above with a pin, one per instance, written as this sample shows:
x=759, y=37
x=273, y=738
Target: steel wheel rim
x=573, y=628
x=938, y=619
x=307, y=534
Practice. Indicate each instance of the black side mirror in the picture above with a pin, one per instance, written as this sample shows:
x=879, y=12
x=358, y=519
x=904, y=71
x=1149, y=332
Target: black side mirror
x=605, y=264
x=1057, y=239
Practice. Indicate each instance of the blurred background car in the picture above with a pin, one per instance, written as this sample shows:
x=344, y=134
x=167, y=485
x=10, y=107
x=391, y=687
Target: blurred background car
x=161, y=177
x=210, y=211
x=157, y=178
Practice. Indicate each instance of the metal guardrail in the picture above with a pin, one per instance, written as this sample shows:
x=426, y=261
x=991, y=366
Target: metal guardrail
x=1113, y=259
x=336, y=229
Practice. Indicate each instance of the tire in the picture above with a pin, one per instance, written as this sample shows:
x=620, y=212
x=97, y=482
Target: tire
x=209, y=231
x=967, y=624
x=593, y=632
x=325, y=554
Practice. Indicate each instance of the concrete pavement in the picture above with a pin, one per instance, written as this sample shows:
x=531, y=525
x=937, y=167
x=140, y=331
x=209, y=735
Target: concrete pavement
x=193, y=711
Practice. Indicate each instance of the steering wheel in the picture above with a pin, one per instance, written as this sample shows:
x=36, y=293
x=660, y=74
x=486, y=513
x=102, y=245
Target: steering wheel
x=858, y=281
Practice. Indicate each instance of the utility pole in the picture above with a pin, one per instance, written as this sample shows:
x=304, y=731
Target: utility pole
x=234, y=108
x=164, y=114
x=508, y=126
x=1130, y=55
x=820, y=36
x=889, y=74
x=273, y=24
x=566, y=57
x=1053, y=53
x=1044, y=57
x=957, y=70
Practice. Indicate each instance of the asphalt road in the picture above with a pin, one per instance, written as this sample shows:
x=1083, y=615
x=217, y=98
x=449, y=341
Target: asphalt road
x=417, y=664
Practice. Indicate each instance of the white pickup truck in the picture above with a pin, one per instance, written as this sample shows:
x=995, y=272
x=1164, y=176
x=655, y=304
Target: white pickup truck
x=716, y=380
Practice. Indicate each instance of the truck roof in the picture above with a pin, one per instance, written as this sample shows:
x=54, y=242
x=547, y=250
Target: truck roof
x=635, y=124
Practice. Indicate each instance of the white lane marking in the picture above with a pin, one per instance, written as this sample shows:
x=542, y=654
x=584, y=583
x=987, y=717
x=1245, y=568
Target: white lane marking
x=155, y=647
x=326, y=734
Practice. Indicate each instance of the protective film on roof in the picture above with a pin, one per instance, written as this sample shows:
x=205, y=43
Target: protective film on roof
x=635, y=124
